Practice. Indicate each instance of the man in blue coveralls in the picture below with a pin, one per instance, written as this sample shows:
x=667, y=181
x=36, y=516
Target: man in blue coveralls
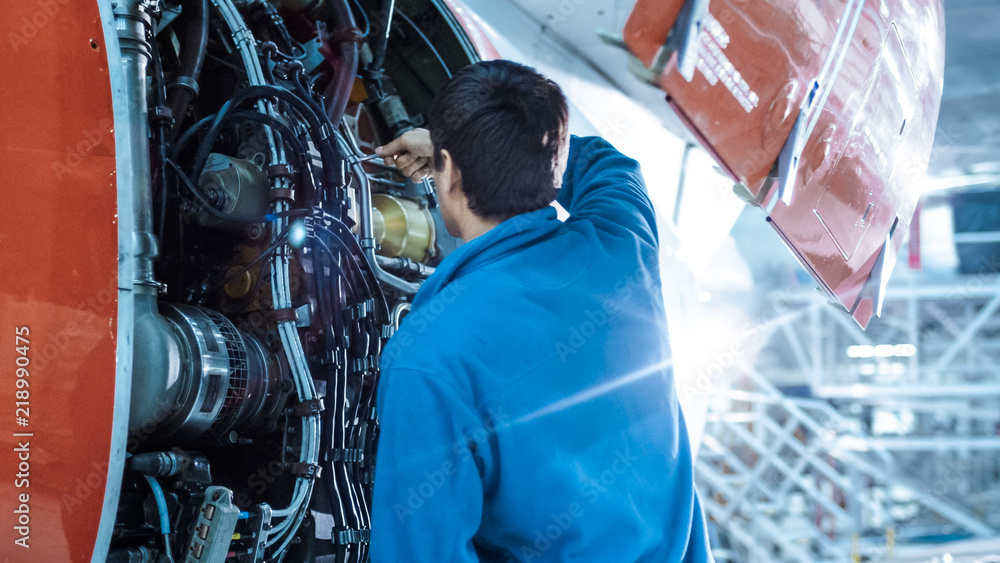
x=527, y=402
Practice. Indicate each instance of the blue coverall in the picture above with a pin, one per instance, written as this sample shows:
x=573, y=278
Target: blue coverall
x=527, y=402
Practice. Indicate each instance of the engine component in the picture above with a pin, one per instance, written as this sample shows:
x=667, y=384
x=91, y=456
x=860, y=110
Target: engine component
x=219, y=380
x=394, y=114
x=213, y=531
x=158, y=464
x=399, y=312
x=133, y=555
x=254, y=368
x=234, y=186
x=402, y=227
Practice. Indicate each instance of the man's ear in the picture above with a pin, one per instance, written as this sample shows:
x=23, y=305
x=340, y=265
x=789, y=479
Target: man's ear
x=450, y=174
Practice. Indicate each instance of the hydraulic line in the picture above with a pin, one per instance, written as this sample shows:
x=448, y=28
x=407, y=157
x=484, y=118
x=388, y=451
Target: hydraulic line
x=291, y=343
x=338, y=92
x=373, y=72
x=286, y=133
x=279, y=25
x=338, y=481
x=352, y=260
x=367, y=228
x=379, y=296
x=333, y=263
x=333, y=327
x=184, y=88
x=329, y=152
x=162, y=134
x=161, y=509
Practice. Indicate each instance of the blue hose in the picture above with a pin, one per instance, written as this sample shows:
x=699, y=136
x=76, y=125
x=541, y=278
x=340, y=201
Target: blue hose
x=161, y=507
x=161, y=504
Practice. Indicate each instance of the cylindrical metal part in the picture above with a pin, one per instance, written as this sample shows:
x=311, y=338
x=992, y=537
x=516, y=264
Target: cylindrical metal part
x=133, y=25
x=234, y=186
x=367, y=229
x=217, y=379
x=155, y=464
x=402, y=227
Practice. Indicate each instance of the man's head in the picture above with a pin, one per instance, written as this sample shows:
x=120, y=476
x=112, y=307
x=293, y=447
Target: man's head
x=499, y=131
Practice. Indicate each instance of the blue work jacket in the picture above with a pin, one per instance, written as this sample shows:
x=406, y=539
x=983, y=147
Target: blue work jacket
x=527, y=402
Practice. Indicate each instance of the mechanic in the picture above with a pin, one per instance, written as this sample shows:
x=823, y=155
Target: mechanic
x=527, y=402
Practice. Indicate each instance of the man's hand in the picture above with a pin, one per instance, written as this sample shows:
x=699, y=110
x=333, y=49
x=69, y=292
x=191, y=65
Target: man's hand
x=410, y=153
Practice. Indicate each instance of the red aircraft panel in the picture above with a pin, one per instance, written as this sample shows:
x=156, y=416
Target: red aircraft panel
x=58, y=280
x=824, y=112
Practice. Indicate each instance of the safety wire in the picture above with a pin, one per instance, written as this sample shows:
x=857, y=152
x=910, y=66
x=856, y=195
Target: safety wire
x=293, y=514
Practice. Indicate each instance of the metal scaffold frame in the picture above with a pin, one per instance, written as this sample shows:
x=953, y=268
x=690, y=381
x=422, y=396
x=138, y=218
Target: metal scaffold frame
x=896, y=446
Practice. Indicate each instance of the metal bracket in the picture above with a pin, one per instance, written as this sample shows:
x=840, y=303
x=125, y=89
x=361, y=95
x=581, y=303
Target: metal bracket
x=308, y=408
x=259, y=523
x=880, y=274
x=306, y=470
x=683, y=37
x=791, y=152
x=611, y=38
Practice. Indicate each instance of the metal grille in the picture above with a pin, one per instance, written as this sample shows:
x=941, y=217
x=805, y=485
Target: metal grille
x=239, y=374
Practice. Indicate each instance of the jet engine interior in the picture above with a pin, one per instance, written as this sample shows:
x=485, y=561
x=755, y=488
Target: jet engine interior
x=274, y=258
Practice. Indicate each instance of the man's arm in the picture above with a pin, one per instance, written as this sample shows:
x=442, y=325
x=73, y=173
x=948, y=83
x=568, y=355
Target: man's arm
x=605, y=187
x=428, y=497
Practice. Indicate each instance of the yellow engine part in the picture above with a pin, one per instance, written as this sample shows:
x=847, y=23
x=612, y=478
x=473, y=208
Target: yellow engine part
x=241, y=285
x=402, y=228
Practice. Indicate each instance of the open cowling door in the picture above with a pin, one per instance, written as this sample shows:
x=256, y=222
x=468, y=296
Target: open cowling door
x=822, y=113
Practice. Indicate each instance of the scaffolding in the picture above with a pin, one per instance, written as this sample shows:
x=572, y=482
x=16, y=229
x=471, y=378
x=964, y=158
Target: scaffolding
x=892, y=445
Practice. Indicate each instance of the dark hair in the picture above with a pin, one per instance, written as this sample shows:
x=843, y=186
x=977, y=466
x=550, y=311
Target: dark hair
x=502, y=123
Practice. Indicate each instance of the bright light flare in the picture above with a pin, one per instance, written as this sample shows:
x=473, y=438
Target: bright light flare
x=881, y=351
x=297, y=234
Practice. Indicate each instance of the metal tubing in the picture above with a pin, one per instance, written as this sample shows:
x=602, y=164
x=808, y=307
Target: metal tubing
x=365, y=218
x=133, y=25
x=368, y=236
x=154, y=342
x=184, y=88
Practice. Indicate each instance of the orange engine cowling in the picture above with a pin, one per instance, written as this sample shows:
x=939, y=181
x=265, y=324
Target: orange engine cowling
x=61, y=307
x=823, y=113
